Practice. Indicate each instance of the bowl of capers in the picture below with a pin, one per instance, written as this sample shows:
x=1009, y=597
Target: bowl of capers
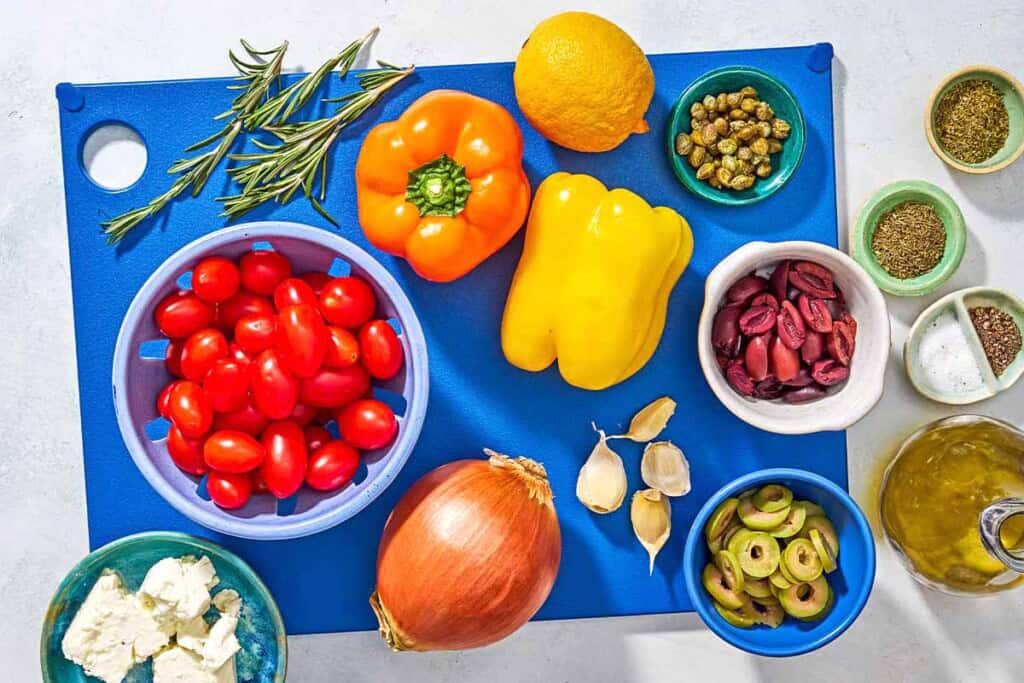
x=736, y=136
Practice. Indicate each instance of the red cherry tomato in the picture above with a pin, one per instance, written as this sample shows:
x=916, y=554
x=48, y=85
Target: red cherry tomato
x=183, y=313
x=256, y=332
x=316, y=436
x=284, y=469
x=247, y=419
x=301, y=339
x=332, y=466
x=227, y=383
x=229, y=491
x=190, y=408
x=334, y=387
x=263, y=270
x=201, y=351
x=274, y=389
x=163, y=400
x=303, y=413
x=342, y=348
x=381, y=351
x=294, y=291
x=215, y=279
x=229, y=450
x=259, y=484
x=367, y=424
x=347, y=301
x=238, y=354
x=316, y=280
x=172, y=357
x=186, y=453
x=242, y=304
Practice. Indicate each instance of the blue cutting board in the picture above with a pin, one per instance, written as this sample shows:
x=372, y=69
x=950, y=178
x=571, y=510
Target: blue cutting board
x=476, y=399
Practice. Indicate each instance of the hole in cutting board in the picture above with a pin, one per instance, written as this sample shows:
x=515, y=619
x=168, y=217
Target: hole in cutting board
x=114, y=156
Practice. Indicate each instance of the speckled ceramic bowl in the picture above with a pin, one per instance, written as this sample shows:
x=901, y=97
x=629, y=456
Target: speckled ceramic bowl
x=264, y=654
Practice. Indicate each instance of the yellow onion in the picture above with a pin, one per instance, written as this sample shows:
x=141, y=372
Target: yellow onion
x=468, y=555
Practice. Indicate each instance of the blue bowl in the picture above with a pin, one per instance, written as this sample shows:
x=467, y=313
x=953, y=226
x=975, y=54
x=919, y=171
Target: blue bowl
x=851, y=583
x=264, y=654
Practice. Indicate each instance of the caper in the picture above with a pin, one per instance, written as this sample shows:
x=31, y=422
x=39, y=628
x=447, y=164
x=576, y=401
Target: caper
x=684, y=145
x=764, y=128
x=764, y=169
x=780, y=129
x=713, y=181
x=774, y=146
x=721, y=104
x=721, y=126
x=744, y=167
x=744, y=153
x=736, y=126
x=709, y=134
x=759, y=159
x=749, y=91
x=724, y=175
x=729, y=163
x=747, y=133
x=709, y=102
x=695, y=124
x=759, y=146
x=763, y=111
x=696, y=157
x=748, y=104
x=696, y=136
x=727, y=146
x=733, y=99
x=738, y=115
x=698, y=111
x=705, y=171
x=741, y=182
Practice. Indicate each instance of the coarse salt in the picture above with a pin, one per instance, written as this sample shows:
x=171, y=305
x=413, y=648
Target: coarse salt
x=946, y=358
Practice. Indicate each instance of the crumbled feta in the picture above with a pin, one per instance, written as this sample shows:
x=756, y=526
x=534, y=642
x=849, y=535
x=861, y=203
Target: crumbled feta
x=177, y=665
x=179, y=588
x=228, y=602
x=221, y=645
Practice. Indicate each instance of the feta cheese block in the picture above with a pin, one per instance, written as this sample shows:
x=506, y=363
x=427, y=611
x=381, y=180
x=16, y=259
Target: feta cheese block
x=178, y=665
x=179, y=588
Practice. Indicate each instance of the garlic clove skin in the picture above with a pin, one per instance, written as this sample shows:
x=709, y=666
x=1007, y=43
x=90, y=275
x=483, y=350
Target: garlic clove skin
x=601, y=485
x=664, y=467
x=650, y=421
x=651, y=516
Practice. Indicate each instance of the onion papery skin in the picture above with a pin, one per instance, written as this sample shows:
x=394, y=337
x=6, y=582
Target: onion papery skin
x=468, y=555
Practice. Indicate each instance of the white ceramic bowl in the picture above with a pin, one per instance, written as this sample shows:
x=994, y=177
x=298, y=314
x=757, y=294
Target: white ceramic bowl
x=840, y=408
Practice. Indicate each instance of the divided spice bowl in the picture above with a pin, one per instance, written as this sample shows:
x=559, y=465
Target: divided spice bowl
x=139, y=374
x=846, y=403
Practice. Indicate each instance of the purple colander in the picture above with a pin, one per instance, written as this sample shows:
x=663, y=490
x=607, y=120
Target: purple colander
x=139, y=374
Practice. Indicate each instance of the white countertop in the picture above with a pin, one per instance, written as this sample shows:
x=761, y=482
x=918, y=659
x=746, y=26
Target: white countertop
x=887, y=62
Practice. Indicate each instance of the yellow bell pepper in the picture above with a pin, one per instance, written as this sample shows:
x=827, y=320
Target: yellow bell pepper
x=593, y=282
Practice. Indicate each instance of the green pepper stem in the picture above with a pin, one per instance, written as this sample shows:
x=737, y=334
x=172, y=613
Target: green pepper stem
x=438, y=187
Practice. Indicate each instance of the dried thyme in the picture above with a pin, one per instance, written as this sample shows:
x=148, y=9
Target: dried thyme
x=971, y=121
x=999, y=334
x=909, y=240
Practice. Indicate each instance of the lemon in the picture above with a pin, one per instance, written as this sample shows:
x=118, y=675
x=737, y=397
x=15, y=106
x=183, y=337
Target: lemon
x=583, y=83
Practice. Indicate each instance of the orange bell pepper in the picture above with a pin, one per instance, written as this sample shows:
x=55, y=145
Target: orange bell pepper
x=443, y=185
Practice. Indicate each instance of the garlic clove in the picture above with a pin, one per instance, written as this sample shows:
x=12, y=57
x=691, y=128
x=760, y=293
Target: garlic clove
x=664, y=467
x=651, y=515
x=650, y=421
x=601, y=485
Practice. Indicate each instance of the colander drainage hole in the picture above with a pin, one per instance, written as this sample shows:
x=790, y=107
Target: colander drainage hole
x=154, y=348
x=157, y=429
x=339, y=268
x=332, y=427
x=360, y=476
x=395, y=325
x=393, y=400
x=201, y=489
x=262, y=246
x=184, y=280
x=286, y=506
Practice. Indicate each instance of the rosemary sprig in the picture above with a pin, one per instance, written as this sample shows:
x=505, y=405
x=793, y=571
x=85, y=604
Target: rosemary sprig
x=279, y=170
x=257, y=72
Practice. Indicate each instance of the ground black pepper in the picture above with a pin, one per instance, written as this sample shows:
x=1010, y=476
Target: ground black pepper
x=999, y=334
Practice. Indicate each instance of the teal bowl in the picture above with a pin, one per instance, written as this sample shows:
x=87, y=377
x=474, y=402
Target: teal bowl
x=264, y=654
x=769, y=89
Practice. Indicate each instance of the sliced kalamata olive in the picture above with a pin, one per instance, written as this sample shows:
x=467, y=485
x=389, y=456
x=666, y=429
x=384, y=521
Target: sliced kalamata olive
x=769, y=389
x=722, y=360
x=812, y=279
x=815, y=313
x=778, y=283
x=813, y=348
x=802, y=378
x=725, y=330
x=835, y=309
x=765, y=299
x=790, y=326
x=828, y=372
x=850, y=321
x=755, y=357
x=739, y=379
x=745, y=288
x=840, y=342
x=784, y=361
x=757, y=320
x=811, y=392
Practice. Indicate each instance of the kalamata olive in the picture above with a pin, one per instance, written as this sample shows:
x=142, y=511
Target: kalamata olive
x=784, y=361
x=755, y=357
x=790, y=326
x=812, y=279
x=745, y=288
x=850, y=321
x=769, y=389
x=828, y=372
x=802, y=378
x=738, y=378
x=765, y=299
x=725, y=330
x=815, y=313
x=722, y=360
x=813, y=348
x=840, y=342
x=778, y=283
x=811, y=392
x=757, y=320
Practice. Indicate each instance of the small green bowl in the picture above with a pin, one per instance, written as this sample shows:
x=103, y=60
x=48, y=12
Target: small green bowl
x=264, y=654
x=769, y=89
x=886, y=198
x=1013, y=98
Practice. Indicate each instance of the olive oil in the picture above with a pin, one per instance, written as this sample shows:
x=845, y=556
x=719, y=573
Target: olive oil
x=936, y=488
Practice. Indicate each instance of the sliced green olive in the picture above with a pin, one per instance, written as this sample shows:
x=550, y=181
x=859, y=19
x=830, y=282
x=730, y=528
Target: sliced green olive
x=729, y=565
x=747, y=494
x=721, y=542
x=802, y=560
x=778, y=580
x=714, y=584
x=758, y=553
x=806, y=600
x=823, y=613
x=825, y=528
x=772, y=498
x=769, y=599
x=813, y=509
x=734, y=618
x=786, y=574
x=720, y=519
x=737, y=540
x=828, y=562
x=770, y=615
x=757, y=519
x=757, y=588
x=792, y=525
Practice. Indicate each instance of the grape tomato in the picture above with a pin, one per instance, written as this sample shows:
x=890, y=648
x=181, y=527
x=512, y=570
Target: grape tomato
x=229, y=491
x=186, y=453
x=227, y=383
x=284, y=467
x=347, y=301
x=331, y=466
x=190, y=409
x=274, y=389
x=232, y=451
x=256, y=332
x=381, y=350
x=182, y=313
x=215, y=279
x=367, y=424
x=202, y=349
x=240, y=305
x=263, y=270
x=294, y=291
x=342, y=348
